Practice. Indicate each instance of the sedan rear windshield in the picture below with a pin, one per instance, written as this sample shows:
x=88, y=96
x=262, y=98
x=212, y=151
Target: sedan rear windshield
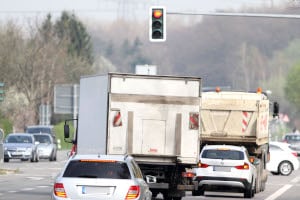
x=223, y=154
x=19, y=139
x=112, y=170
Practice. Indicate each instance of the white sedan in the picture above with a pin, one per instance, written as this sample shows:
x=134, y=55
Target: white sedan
x=283, y=160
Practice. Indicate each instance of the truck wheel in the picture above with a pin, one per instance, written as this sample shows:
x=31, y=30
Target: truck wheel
x=6, y=159
x=285, y=168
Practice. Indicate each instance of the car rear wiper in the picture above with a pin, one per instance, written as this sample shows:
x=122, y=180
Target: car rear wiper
x=87, y=176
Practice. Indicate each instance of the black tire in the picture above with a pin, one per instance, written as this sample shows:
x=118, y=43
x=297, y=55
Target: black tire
x=199, y=192
x=275, y=173
x=37, y=158
x=249, y=191
x=33, y=158
x=51, y=158
x=6, y=159
x=285, y=168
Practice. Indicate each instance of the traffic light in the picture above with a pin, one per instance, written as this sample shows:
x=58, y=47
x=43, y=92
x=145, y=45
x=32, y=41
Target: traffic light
x=1, y=91
x=157, y=25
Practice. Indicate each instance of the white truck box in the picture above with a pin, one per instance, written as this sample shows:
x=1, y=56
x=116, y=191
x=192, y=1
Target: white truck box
x=154, y=118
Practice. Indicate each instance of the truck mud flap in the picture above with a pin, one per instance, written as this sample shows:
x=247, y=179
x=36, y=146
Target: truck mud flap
x=158, y=185
x=188, y=187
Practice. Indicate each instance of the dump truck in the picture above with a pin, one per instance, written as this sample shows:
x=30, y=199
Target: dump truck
x=153, y=118
x=239, y=118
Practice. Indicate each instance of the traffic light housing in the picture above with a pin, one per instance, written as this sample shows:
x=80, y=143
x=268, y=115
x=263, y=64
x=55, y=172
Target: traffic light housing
x=157, y=25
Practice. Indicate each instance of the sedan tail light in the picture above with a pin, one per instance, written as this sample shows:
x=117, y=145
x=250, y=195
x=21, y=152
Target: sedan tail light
x=59, y=190
x=133, y=192
x=244, y=166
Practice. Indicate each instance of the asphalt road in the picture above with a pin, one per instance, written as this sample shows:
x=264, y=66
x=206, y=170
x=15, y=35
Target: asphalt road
x=34, y=181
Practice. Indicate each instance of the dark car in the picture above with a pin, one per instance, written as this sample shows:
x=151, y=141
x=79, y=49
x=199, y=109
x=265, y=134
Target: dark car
x=49, y=129
x=47, y=149
x=41, y=129
x=20, y=146
x=294, y=140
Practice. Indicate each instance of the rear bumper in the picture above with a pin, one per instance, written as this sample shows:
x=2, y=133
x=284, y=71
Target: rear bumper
x=223, y=181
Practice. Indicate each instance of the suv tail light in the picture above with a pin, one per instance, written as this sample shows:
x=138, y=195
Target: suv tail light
x=59, y=190
x=244, y=166
x=202, y=165
x=133, y=192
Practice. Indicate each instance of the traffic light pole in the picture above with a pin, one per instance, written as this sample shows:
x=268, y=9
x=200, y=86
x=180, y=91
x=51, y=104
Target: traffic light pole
x=1, y=91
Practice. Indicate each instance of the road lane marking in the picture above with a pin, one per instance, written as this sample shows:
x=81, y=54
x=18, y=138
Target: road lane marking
x=27, y=189
x=279, y=192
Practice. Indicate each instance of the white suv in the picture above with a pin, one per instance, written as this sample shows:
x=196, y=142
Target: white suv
x=223, y=167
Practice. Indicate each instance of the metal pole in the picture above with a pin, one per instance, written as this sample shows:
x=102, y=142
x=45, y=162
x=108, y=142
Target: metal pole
x=75, y=105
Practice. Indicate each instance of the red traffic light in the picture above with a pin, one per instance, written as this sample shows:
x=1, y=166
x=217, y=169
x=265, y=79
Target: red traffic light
x=157, y=24
x=157, y=13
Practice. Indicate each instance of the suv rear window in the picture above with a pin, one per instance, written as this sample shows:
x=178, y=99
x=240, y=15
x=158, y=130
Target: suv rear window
x=292, y=137
x=223, y=154
x=93, y=169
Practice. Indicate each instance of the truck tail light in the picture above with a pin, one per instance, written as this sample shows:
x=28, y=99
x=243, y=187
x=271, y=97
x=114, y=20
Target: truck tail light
x=59, y=190
x=202, y=165
x=188, y=174
x=244, y=166
x=133, y=192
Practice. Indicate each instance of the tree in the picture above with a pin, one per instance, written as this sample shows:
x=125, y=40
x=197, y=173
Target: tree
x=32, y=64
x=292, y=86
x=70, y=28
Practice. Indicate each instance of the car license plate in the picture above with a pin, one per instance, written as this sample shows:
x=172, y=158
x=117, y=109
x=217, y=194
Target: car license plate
x=96, y=190
x=222, y=168
x=16, y=153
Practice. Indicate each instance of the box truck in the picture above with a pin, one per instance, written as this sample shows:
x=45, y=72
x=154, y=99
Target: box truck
x=153, y=118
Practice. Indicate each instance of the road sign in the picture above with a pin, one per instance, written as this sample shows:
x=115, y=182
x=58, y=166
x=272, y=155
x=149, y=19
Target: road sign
x=66, y=98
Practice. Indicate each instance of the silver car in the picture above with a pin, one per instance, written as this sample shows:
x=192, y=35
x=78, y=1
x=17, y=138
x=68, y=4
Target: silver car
x=47, y=148
x=101, y=177
x=20, y=146
x=294, y=140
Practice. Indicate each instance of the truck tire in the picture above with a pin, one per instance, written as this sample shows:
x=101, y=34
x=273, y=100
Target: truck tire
x=285, y=168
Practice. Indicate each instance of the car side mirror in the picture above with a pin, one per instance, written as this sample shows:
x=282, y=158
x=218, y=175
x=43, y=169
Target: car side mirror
x=36, y=142
x=256, y=161
x=66, y=131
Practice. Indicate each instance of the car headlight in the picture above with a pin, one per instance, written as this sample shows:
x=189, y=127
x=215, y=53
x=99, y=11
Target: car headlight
x=29, y=149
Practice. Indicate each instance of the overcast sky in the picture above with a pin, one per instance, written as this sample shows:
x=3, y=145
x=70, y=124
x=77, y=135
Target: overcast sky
x=112, y=9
